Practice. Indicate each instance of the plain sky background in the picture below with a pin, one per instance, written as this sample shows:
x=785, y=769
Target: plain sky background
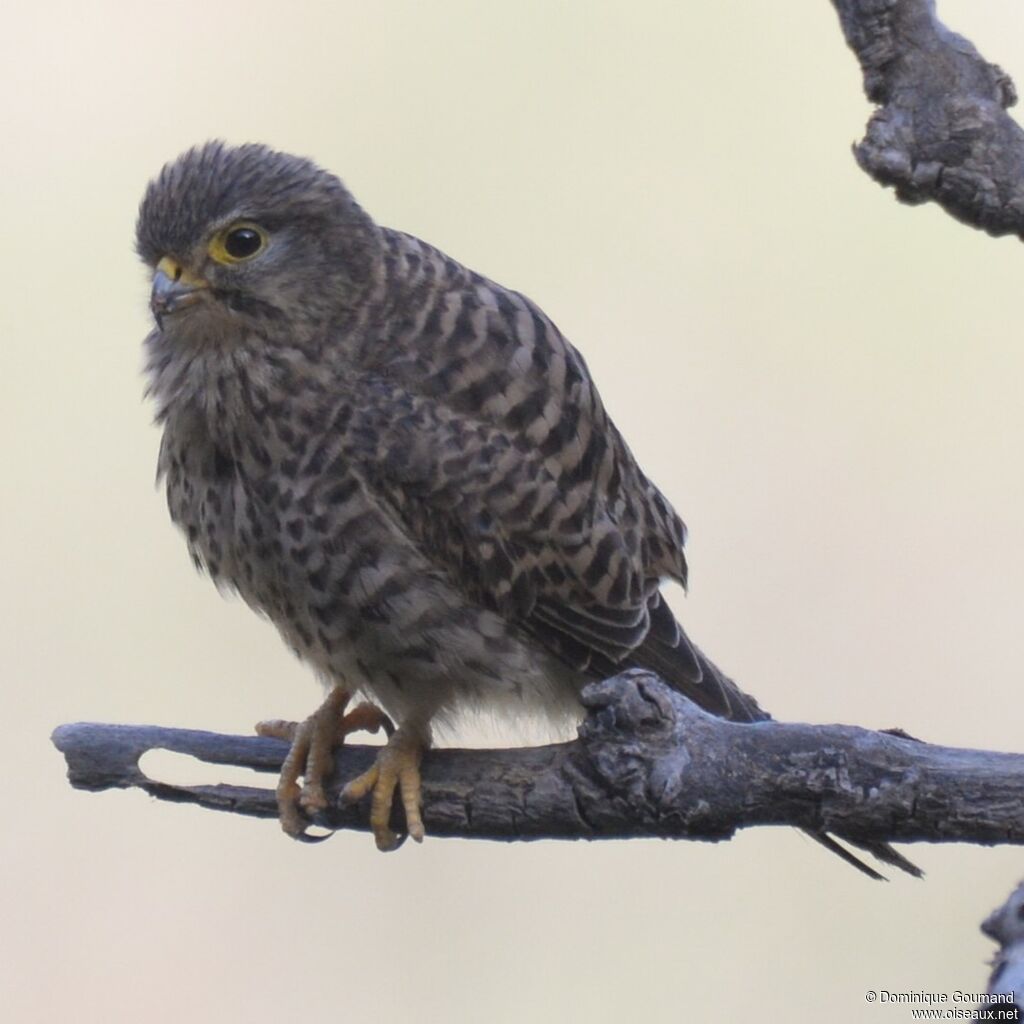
x=827, y=384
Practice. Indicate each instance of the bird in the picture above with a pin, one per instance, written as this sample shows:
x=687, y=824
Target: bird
x=406, y=467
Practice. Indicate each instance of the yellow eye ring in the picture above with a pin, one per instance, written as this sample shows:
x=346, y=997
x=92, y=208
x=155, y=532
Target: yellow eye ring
x=239, y=242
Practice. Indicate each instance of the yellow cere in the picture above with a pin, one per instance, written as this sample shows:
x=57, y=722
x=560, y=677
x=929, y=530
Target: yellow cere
x=176, y=272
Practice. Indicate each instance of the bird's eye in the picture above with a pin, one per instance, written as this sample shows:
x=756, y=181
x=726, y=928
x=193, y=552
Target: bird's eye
x=237, y=243
x=243, y=243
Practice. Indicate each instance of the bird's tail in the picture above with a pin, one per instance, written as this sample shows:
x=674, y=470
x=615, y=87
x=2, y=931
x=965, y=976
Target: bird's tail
x=668, y=652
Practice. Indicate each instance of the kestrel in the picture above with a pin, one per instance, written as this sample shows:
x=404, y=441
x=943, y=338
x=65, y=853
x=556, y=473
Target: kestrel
x=403, y=464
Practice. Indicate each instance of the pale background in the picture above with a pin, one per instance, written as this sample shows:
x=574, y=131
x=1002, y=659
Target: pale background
x=827, y=384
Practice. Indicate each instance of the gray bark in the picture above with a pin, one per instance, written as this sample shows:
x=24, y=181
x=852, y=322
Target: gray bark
x=647, y=762
x=1006, y=926
x=941, y=131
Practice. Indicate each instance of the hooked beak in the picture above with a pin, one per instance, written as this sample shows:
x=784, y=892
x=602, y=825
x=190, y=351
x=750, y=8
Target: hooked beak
x=174, y=288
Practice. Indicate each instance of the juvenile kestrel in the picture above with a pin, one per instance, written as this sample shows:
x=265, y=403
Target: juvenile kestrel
x=401, y=463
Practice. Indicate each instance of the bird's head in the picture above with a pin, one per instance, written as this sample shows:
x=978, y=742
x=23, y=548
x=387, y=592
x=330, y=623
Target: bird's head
x=247, y=242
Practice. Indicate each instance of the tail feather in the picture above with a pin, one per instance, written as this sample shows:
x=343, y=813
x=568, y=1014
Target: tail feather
x=853, y=860
x=669, y=653
x=887, y=855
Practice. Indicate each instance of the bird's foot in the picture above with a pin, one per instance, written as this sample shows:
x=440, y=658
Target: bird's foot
x=311, y=756
x=397, y=767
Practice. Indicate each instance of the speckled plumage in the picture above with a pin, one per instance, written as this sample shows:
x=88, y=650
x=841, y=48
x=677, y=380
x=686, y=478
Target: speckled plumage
x=400, y=462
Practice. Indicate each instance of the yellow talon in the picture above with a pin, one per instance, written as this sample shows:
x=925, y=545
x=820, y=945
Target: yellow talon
x=311, y=756
x=397, y=766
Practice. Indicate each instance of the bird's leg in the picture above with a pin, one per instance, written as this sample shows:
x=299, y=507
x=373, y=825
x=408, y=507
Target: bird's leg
x=397, y=767
x=311, y=756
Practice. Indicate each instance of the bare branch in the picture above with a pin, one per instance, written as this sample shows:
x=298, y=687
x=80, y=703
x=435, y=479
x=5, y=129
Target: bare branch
x=941, y=131
x=1006, y=926
x=647, y=762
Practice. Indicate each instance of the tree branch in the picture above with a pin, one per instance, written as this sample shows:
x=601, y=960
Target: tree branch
x=941, y=131
x=647, y=762
x=1005, y=925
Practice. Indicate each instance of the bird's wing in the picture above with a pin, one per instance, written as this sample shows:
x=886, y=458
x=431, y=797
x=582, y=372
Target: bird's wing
x=491, y=355
x=522, y=488
x=500, y=521
x=568, y=565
